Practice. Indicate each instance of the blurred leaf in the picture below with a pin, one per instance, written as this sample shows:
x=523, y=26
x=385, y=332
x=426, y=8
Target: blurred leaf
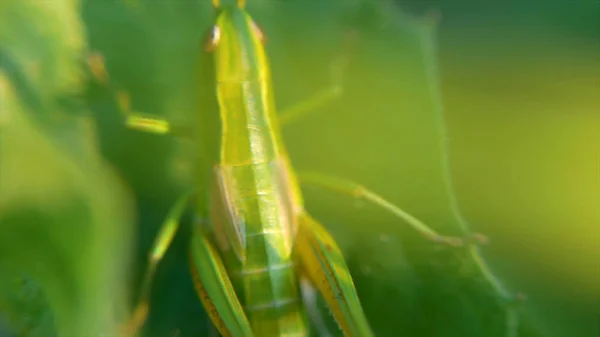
x=64, y=221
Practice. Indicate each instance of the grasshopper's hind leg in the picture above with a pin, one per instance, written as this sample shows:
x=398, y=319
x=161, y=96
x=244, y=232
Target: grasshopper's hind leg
x=358, y=191
x=350, y=188
x=159, y=248
x=215, y=289
x=322, y=262
x=210, y=279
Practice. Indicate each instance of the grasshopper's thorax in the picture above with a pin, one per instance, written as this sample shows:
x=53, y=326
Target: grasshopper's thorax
x=252, y=209
x=250, y=133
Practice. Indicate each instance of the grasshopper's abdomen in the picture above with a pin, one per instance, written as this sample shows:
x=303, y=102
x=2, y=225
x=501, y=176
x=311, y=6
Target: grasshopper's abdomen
x=256, y=237
x=268, y=279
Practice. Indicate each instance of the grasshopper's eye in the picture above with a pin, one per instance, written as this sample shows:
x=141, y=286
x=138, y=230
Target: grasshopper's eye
x=258, y=31
x=212, y=38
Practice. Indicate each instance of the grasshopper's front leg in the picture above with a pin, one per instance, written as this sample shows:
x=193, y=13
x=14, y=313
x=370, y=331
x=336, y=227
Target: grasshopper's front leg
x=132, y=119
x=215, y=289
x=323, y=262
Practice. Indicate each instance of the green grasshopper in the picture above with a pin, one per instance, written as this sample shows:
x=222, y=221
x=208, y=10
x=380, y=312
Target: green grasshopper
x=256, y=255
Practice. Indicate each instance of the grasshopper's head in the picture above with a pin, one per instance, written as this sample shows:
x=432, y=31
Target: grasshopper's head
x=237, y=43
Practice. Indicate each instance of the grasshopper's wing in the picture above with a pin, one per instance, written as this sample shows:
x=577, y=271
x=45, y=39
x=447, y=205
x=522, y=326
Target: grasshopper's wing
x=215, y=288
x=322, y=260
x=211, y=280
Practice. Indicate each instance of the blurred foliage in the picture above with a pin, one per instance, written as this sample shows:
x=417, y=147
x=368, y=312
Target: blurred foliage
x=60, y=205
x=64, y=219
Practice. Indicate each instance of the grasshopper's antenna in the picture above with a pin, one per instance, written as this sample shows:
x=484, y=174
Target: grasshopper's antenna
x=241, y=3
x=216, y=3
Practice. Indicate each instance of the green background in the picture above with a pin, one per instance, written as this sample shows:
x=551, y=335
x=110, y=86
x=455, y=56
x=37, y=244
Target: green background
x=518, y=86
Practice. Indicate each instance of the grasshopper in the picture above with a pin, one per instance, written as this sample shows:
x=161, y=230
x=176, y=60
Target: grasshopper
x=256, y=255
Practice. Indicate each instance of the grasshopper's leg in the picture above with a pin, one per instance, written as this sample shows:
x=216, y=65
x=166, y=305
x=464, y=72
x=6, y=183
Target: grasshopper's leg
x=159, y=248
x=358, y=191
x=133, y=120
x=214, y=288
x=333, y=91
x=322, y=261
x=324, y=96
